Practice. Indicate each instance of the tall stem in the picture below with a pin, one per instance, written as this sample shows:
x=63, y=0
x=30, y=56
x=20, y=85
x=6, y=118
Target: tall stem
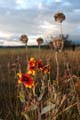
x=57, y=63
x=26, y=55
x=61, y=29
x=39, y=49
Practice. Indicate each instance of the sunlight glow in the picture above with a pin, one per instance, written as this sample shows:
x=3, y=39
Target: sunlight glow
x=5, y=34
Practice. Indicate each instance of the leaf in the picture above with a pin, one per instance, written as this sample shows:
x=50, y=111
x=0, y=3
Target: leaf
x=22, y=96
x=47, y=108
x=33, y=107
x=25, y=115
x=41, y=96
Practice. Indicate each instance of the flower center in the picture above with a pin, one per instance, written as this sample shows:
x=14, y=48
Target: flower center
x=25, y=79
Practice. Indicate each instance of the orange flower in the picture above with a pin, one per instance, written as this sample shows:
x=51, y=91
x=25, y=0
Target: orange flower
x=32, y=63
x=46, y=69
x=31, y=72
x=26, y=80
x=39, y=64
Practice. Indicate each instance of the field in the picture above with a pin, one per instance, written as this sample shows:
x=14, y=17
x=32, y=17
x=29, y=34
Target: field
x=55, y=94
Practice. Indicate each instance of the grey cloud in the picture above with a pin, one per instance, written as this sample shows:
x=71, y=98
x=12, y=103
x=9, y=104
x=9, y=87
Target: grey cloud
x=28, y=21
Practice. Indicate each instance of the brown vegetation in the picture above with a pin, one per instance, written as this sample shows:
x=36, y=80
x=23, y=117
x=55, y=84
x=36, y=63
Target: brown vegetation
x=53, y=101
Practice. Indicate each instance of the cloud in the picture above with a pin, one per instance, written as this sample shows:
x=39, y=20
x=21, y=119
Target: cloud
x=10, y=43
x=35, y=18
x=28, y=4
x=58, y=0
x=6, y=35
x=23, y=4
x=49, y=28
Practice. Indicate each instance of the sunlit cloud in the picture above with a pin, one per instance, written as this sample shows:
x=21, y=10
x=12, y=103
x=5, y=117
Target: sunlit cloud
x=40, y=6
x=27, y=4
x=6, y=35
x=12, y=43
x=21, y=4
x=49, y=28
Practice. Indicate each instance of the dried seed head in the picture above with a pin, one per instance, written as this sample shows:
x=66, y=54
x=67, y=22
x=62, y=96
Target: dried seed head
x=58, y=43
x=24, y=38
x=59, y=17
x=39, y=41
x=51, y=44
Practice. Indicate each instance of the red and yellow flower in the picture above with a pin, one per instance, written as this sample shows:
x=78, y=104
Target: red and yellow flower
x=46, y=69
x=39, y=64
x=26, y=80
x=31, y=72
x=32, y=63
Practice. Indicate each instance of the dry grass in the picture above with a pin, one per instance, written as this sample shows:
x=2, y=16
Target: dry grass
x=65, y=95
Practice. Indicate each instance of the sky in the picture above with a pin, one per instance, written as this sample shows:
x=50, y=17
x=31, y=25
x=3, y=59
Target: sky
x=35, y=18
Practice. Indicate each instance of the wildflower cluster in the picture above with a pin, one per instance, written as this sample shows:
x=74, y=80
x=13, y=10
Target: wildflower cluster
x=27, y=79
